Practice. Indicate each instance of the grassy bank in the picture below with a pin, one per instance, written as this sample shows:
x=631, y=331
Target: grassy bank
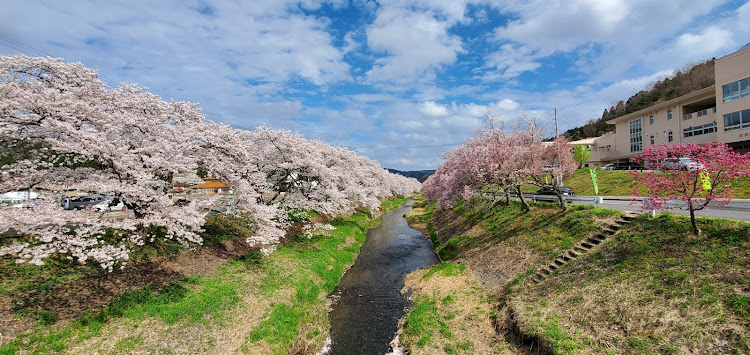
x=250, y=303
x=651, y=288
x=450, y=313
x=654, y=288
x=620, y=183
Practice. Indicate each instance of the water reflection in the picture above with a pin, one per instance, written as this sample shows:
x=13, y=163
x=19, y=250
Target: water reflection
x=365, y=317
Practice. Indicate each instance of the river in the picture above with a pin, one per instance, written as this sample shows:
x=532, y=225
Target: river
x=364, y=319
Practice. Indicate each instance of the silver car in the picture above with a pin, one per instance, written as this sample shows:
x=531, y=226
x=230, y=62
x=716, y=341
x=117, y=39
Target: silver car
x=683, y=163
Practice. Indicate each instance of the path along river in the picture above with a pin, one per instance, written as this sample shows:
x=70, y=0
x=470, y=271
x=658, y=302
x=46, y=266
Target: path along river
x=365, y=318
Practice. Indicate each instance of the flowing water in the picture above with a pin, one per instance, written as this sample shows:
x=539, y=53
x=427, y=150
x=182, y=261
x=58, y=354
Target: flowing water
x=365, y=318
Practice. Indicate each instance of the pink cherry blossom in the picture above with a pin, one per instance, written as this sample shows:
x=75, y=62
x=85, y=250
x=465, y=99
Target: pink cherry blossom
x=715, y=160
x=128, y=144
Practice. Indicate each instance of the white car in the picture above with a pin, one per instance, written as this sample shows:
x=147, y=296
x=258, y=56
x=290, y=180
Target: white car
x=682, y=163
x=104, y=206
x=608, y=167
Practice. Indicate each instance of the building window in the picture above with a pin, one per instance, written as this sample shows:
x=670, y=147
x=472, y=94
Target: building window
x=699, y=130
x=669, y=136
x=702, y=113
x=736, y=90
x=737, y=120
x=651, y=119
x=636, y=135
x=669, y=114
x=652, y=139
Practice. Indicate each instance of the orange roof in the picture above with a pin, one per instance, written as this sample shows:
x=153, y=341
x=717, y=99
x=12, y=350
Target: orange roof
x=210, y=185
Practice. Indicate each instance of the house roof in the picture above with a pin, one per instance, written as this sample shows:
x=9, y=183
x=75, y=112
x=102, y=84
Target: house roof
x=210, y=185
x=663, y=105
x=585, y=141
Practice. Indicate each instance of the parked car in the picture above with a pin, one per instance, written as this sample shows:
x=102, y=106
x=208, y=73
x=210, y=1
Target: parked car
x=683, y=163
x=608, y=167
x=105, y=206
x=79, y=203
x=629, y=165
x=550, y=191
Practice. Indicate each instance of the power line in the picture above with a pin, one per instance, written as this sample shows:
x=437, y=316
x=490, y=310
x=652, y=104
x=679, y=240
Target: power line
x=10, y=42
x=404, y=147
x=33, y=52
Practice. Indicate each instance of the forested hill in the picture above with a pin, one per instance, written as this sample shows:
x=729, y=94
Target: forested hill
x=689, y=79
x=420, y=175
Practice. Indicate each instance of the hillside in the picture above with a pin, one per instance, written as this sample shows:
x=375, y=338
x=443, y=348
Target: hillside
x=420, y=175
x=689, y=79
x=588, y=280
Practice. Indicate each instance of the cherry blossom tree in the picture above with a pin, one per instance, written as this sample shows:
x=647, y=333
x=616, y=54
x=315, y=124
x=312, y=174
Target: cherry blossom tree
x=124, y=143
x=715, y=161
x=78, y=136
x=550, y=164
x=498, y=160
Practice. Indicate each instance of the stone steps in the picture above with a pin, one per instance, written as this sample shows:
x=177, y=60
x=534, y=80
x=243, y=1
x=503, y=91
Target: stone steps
x=582, y=247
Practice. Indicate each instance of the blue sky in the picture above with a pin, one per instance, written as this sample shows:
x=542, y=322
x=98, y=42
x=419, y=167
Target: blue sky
x=398, y=81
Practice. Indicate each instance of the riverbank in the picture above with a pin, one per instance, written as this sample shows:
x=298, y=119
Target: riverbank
x=219, y=299
x=646, y=286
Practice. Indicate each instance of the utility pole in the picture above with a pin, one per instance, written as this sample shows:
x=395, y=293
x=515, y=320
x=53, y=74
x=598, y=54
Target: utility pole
x=559, y=174
x=555, y=122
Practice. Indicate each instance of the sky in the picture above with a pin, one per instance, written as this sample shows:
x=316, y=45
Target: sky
x=394, y=80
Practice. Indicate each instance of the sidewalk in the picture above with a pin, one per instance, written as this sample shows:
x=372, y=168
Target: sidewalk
x=742, y=203
x=639, y=198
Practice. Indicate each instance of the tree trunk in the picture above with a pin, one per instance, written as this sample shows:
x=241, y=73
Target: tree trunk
x=696, y=231
x=563, y=201
x=523, y=201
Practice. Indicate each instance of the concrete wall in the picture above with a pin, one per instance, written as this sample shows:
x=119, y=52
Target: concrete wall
x=731, y=68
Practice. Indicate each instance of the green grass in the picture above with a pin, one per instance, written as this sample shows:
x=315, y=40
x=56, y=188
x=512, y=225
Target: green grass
x=312, y=267
x=445, y=269
x=545, y=230
x=394, y=203
x=309, y=267
x=673, y=271
x=192, y=299
x=620, y=183
x=127, y=345
x=559, y=339
x=423, y=321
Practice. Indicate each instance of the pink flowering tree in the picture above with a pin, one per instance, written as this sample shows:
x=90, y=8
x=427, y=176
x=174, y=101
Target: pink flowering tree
x=715, y=161
x=550, y=164
x=78, y=136
x=493, y=160
x=124, y=142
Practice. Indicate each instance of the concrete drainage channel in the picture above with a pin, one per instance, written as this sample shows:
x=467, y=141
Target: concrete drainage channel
x=582, y=247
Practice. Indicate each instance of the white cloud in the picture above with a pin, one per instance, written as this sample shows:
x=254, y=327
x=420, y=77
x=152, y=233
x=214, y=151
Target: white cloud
x=623, y=30
x=431, y=108
x=509, y=62
x=282, y=63
x=415, y=44
x=709, y=41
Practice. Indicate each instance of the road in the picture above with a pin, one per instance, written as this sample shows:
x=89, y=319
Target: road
x=737, y=210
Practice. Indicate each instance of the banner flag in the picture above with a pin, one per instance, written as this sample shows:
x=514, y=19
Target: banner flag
x=593, y=179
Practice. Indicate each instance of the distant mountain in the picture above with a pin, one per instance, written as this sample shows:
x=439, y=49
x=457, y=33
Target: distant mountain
x=420, y=175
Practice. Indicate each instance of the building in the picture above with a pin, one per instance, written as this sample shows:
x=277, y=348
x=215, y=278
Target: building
x=720, y=112
x=211, y=186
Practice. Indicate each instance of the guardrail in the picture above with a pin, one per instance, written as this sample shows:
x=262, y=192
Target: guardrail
x=595, y=200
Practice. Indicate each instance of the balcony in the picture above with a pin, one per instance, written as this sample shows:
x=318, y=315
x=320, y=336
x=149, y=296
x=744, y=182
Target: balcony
x=701, y=113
